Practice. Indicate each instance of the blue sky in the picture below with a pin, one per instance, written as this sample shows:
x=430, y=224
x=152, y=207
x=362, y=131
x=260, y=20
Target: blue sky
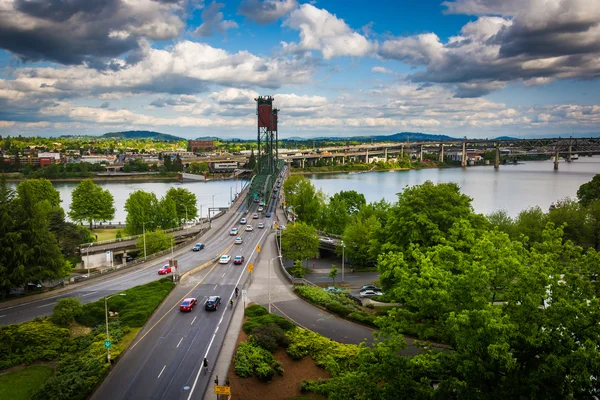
x=476, y=68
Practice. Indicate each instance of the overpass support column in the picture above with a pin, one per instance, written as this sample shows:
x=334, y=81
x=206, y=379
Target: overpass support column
x=366, y=156
x=463, y=162
x=441, y=158
x=570, y=149
x=343, y=160
x=420, y=153
x=302, y=163
x=497, y=161
x=385, y=154
x=402, y=152
x=556, y=159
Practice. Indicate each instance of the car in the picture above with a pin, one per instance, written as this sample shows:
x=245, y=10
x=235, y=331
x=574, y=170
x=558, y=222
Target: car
x=238, y=240
x=234, y=232
x=212, y=303
x=260, y=209
x=255, y=216
x=260, y=225
x=243, y=221
x=369, y=293
x=333, y=289
x=224, y=259
x=275, y=190
x=128, y=258
x=238, y=260
x=188, y=304
x=327, y=240
x=370, y=287
x=164, y=270
x=278, y=185
x=268, y=214
x=281, y=227
x=198, y=247
x=249, y=228
x=256, y=200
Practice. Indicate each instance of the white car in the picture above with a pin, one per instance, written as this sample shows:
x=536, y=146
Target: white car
x=260, y=209
x=327, y=240
x=370, y=293
x=249, y=228
x=243, y=221
x=261, y=225
x=238, y=240
x=255, y=216
x=224, y=259
x=234, y=232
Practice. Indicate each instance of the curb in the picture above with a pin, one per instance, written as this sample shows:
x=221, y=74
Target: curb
x=194, y=270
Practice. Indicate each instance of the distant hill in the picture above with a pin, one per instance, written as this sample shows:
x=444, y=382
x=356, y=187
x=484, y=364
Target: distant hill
x=142, y=135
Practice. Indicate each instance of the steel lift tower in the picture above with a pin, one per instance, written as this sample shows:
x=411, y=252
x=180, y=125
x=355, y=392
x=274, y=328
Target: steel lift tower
x=268, y=138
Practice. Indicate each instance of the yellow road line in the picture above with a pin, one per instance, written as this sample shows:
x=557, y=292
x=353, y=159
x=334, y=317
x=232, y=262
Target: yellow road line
x=290, y=318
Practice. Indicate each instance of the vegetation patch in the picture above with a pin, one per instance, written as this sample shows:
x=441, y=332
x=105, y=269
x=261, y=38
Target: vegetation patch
x=23, y=383
x=338, y=304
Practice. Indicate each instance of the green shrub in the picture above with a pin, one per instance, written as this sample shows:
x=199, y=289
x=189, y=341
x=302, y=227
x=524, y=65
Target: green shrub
x=265, y=372
x=362, y=317
x=337, y=304
x=278, y=368
x=325, y=352
x=65, y=311
x=338, y=308
x=254, y=322
x=249, y=357
x=270, y=336
x=255, y=310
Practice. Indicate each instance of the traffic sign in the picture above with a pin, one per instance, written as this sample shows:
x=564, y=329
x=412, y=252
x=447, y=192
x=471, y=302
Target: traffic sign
x=244, y=295
x=226, y=390
x=250, y=267
x=258, y=248
x=107, y=344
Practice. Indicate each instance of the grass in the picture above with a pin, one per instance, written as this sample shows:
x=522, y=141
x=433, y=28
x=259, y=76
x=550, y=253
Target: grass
x=23, y=383
x=106, y=233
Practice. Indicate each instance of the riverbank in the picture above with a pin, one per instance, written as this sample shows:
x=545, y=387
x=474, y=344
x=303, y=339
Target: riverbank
x=119, y=178
x=416, y=166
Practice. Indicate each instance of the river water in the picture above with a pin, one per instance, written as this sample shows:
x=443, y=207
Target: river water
x=512, y=187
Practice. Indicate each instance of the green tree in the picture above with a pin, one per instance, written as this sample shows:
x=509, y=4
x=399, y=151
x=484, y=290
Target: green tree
x=574, y=217
x=593, y=222
x=40, y=190
x=185, y=203
x=166, y=214
x=299, y=241
x=68, y=235
x=360, y=238
x=531, y=224
x=590, y=191
x=297, y=270
x=252, y=160
x=90, y=203
x=142, y=208
x=9, y=238
x=302, y=195
x=156, y=241
x=333, y=273
x=352, y=199
x=65, y=311
x=334, y=216
x=503, y=221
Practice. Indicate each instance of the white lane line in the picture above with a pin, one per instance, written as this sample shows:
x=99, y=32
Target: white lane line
x=193, y=321
x=223, y=274
x=162, y=370
x=180, y=340
x=2, y=316
x=221, y=320
x=46, y=305
x=87, y=294
x=215, y=288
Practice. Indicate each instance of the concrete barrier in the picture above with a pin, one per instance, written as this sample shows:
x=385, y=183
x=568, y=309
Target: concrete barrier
x=194, y=270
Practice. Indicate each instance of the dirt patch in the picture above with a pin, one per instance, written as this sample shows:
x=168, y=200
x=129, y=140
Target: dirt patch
x=281, y=387
x=79, y=330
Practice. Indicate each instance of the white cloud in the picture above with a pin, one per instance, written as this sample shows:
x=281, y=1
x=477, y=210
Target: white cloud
x=381, y=70
x=320, y=30
x=266, y=11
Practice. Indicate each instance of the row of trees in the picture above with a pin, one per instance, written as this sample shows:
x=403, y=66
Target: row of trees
x=515, y=300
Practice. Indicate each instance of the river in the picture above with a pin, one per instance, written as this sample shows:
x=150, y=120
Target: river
x=512, y=187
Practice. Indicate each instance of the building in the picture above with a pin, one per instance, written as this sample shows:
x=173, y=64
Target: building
x=201, y=145
x=98, y=159
x=226, y=166
x=180, y=153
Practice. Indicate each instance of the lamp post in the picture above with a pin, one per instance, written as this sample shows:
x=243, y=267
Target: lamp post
x=144, y=234
x=186, y=215
x=106, y=314
x=343, y=250
x=269, y=280
x=87, y=261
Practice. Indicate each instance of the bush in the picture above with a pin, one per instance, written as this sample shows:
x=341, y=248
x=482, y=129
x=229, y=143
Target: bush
x=65, y=311
x=270, y=336
x=265, y=372
x=254, y=322
x=250, y=357
x=338, y=308
x=255, y=310
x=326, y=353
x=362, y=317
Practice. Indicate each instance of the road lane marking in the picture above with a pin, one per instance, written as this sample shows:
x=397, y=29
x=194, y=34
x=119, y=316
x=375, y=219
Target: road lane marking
x=1, y=316
x=87, y=294
x=193, y=320
x=215, y=288
x=223, y=274
x=180, y=340
x=221, y=320
x=46, y=305
x=162, y=370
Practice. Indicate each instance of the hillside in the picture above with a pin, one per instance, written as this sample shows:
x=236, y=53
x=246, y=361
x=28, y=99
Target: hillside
x=142, y=135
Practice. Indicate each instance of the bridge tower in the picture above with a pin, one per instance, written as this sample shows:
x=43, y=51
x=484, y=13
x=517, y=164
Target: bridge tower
x=267, y=136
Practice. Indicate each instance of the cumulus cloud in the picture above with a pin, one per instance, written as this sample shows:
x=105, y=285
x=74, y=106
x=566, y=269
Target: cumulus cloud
x=322, y=31
x=534, y=41
x=381, y=70
x=78, y=31
x=266, y=11
x=212, y=21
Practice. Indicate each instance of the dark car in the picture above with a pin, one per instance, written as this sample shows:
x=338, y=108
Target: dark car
x=212, y=303
x=370, y=287
x=198, y=247
x=188, y=304
x=238, y=260
x=268, y=214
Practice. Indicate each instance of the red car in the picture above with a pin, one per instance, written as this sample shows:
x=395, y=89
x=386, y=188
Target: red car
x=164, y=270
x=238, y=260
x=188, y=304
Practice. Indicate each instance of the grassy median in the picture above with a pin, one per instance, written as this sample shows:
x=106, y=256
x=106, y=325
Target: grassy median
x=23, y=383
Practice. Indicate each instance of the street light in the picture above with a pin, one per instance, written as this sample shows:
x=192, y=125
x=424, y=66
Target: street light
x=343, y=248
x=186, y=215
x=144, y=234
x=269, y=280
x=106, y=314
x=87, y=262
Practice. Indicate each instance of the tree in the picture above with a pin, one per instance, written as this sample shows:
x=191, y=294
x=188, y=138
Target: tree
x=335, y=217
x=360, y=238
x=333, y=273
x=352, y=199
x=40, y=190
x=185, y=203
x=299, y=241
x=531, y=224
x=302, y=195
x=166, y=214
x=90, y=203
x=503, y=221
x=142, y=208
x=69, y=236
x=156, y=241
x=590, y=191
x=9, y=238
x=297, y=269
x=65, y=311
x=573, y=216
x=252, y=160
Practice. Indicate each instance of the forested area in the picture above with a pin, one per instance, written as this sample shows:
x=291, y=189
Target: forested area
x=515, y=300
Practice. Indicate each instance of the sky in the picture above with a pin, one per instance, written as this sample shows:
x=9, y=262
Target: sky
x=337, y=68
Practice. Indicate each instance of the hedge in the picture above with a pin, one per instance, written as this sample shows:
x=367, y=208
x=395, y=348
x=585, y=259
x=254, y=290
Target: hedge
x=338, y=304
x=251, y=359
x=328, y=354
x=254, y=322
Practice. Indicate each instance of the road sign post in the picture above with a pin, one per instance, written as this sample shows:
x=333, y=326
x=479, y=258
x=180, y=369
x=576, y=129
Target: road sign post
x=225, y=390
